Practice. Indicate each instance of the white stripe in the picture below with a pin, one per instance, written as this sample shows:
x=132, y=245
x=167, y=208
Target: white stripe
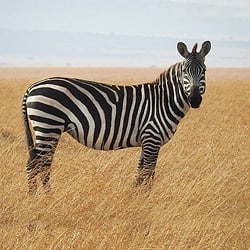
x=37, y=112
x=48, y=143
x=43, y=149
x=46, y=125
x=39, y=133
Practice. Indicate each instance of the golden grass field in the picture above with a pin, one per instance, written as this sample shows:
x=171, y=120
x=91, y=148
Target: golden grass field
x=199, y=198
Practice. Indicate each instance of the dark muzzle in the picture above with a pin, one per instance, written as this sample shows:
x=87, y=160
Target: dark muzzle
x=195, y=98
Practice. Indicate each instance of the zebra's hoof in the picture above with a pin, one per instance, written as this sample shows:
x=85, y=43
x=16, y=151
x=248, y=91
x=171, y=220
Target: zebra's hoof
x=47, y=188
x=32, y=191
x=144, y=176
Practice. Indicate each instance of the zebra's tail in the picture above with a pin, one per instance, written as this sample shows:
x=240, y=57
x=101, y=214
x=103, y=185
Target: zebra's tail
x=28, y=134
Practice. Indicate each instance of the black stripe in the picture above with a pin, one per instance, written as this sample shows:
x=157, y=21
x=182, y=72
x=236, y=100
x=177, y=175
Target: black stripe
x=45, y=120
x=42, y=138
x=47, y=130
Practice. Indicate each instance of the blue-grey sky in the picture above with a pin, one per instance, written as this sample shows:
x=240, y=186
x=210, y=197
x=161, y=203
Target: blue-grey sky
x=194, y=18
x=180, y=19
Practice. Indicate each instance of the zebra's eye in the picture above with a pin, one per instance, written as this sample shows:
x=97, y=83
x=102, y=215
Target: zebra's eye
x=202, y=89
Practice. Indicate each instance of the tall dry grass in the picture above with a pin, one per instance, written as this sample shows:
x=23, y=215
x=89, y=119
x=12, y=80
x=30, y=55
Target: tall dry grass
x=199, y=198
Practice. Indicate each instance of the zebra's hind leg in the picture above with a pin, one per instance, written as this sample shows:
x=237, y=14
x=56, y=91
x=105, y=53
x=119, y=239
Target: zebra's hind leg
x=45, y=162
x=44, y=170
x=39, y=164
x=32, y=171
x=45, y=177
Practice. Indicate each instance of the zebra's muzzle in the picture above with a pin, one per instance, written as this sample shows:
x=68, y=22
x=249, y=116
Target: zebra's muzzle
x=195, y=98
x=195, y=102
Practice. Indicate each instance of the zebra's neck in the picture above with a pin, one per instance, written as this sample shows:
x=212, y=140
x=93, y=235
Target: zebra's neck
x=171, y=83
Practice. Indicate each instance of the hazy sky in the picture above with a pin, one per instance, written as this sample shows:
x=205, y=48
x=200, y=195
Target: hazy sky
x=182, y=20
x=199, y=19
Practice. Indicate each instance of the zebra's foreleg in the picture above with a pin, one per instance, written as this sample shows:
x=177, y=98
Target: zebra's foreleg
x=144, y=175
x=146, y=167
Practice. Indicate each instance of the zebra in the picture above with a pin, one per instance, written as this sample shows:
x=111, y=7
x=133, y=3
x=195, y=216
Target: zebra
x=108, y=117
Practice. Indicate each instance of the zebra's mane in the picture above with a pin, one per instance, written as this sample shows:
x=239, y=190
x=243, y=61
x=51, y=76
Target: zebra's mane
x=173, y=69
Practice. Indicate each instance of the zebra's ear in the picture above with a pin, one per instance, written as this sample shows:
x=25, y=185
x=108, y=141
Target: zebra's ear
x=182, y=49
x=206, y=46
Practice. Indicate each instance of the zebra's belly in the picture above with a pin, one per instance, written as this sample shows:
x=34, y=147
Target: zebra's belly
x=113, y=144
x=113, y=147
x=101, y=141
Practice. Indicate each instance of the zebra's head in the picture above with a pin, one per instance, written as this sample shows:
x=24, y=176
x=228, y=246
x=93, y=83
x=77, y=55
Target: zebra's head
x=193, y=72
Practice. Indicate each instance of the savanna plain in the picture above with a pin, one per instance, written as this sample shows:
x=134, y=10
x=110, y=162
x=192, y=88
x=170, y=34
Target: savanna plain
x=199, y=198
